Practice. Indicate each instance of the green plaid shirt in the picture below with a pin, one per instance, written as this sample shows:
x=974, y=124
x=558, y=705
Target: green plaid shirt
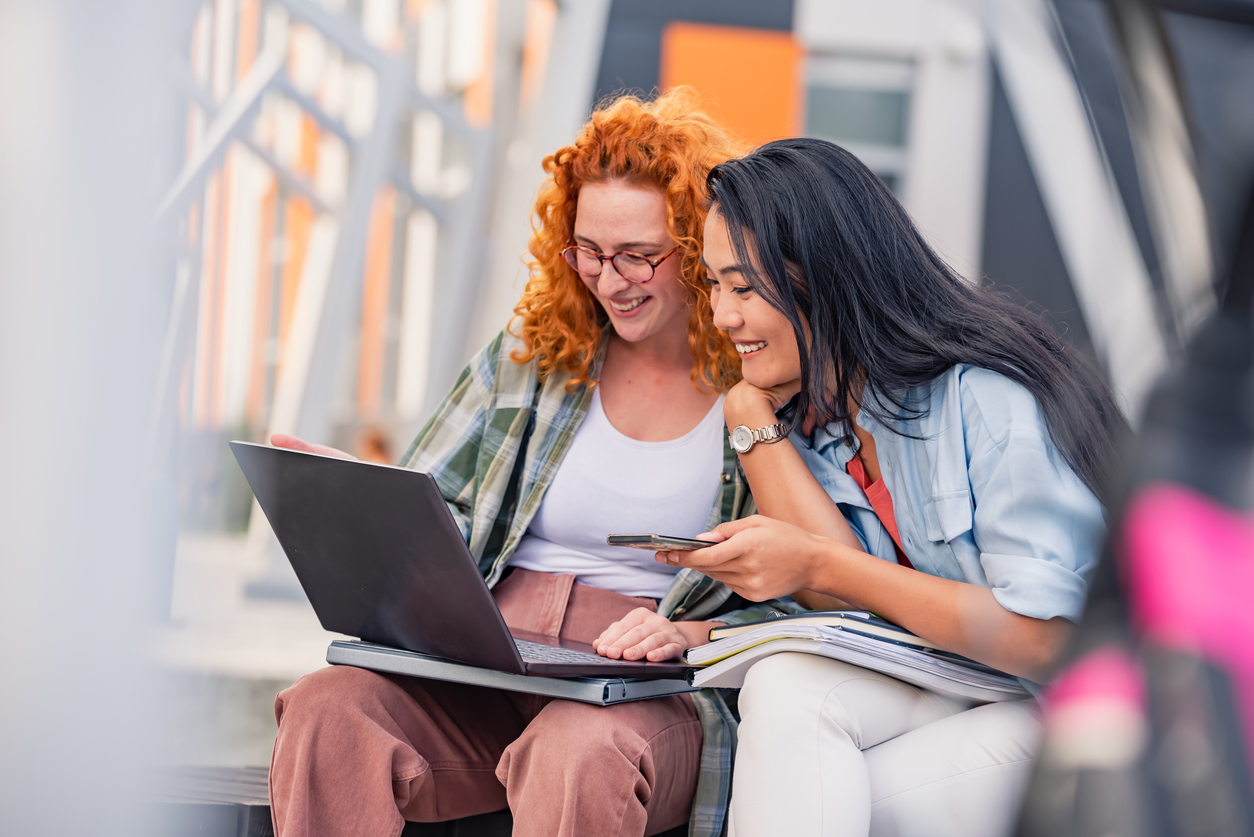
x=493, y=447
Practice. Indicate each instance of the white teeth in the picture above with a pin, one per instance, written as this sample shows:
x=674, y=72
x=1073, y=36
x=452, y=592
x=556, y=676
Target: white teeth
x=745, y=348
x=628, y=306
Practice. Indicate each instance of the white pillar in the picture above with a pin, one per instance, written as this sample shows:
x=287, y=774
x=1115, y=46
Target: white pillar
x=83, y=303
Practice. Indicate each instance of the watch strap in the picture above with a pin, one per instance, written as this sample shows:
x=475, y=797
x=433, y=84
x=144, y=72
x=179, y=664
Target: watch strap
x=769, y=434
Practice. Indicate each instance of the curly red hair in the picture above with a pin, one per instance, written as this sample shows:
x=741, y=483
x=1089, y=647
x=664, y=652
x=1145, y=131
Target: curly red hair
x=668, y=144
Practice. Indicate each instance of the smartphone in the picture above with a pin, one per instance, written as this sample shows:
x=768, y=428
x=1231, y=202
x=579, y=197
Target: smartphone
x=657, y=543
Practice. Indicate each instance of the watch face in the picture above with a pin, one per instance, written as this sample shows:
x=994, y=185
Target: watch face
x=741, y=439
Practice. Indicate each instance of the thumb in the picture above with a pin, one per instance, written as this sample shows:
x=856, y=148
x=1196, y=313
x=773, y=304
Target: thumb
x=733, y=527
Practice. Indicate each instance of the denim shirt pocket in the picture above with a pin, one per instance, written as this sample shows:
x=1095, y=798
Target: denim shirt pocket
x=948, y=515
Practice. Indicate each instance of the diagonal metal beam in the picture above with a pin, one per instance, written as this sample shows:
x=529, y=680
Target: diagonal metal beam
x=371, y=162
x=325, y=121
x=1081, y=198
x=233, y=117
x=305, y=387
x=1229, y=11
x=339, y=29
x=1163, y=149
x=402, y=181
x=290, y=180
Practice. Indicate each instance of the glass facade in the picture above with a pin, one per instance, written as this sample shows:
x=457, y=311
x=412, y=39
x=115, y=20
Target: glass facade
x=862, y=104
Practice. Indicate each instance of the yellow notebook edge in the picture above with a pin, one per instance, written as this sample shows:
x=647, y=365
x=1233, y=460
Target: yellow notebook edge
x=729, y=631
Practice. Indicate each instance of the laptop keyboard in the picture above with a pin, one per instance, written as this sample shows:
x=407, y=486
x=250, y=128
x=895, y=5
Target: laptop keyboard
x=555, y=654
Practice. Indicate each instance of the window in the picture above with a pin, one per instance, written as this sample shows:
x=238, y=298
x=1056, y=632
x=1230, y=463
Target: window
x=863, y=105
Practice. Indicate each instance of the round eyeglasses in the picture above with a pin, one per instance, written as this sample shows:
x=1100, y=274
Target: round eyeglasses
x=631, y=266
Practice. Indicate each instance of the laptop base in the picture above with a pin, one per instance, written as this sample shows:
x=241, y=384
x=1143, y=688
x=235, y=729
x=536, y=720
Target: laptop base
x=602, y=691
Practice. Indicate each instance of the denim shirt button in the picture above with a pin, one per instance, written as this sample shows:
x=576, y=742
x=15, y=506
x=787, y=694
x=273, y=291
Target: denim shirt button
x=725, y=478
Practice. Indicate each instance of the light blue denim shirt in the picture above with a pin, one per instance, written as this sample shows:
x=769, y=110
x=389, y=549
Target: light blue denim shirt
x=980, y=494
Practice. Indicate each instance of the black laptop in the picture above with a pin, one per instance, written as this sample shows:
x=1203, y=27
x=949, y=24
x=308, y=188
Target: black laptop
x=381, y=558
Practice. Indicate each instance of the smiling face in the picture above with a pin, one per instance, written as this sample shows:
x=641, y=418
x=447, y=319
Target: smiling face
x=613, y=216
x=763, y=336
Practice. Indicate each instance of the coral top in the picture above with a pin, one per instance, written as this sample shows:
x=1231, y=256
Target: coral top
x=881, y=504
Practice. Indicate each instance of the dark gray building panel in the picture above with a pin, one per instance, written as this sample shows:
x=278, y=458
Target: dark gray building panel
x=1090, y=41
x=1021, y=256
x=1216, y=62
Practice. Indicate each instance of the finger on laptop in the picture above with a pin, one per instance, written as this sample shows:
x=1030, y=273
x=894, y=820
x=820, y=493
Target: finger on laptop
x=616, y=630
x=283, y=440
x=638, y=633
x=655, y=640
x=656, y=648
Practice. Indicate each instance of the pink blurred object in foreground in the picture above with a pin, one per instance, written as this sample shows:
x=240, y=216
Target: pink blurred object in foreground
x=1189, y=568
x=1108, y=671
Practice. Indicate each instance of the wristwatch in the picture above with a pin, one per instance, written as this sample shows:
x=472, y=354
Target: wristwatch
x=742, y=438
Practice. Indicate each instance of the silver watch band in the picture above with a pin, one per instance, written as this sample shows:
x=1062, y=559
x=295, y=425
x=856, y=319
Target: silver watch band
x=743, y=438
x=768, y=434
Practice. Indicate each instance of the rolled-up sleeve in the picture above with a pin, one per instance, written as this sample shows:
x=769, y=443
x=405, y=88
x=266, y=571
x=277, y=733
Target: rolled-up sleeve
x=1037, y=526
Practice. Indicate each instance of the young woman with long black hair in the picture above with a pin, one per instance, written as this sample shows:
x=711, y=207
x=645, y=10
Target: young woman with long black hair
x=947, y=453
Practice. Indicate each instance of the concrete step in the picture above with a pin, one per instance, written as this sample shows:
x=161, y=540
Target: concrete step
x=235, y=802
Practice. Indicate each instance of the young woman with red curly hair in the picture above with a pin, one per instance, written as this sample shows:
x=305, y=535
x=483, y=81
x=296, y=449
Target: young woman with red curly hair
x=601, y=413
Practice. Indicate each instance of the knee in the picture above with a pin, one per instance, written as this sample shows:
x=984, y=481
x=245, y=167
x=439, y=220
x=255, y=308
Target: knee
x=779, y=683
x=571, y=744
x=335, y=691
x=787, y=697
x=566, y=734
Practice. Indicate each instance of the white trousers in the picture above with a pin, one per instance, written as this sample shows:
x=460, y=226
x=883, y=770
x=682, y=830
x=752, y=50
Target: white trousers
x=827, y=748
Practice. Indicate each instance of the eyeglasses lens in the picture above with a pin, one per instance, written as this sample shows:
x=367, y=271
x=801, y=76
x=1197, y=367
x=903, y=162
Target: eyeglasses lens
x=630, y=267
x=633, y=268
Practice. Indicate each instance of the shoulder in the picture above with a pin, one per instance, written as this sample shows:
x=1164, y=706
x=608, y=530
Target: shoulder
x=987, y=405
x=979, y=386
x=489, y=383
x=495, y=357
x=495, y=370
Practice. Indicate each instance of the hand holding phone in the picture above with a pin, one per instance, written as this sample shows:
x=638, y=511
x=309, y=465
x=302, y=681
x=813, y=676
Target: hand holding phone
x=657, y=543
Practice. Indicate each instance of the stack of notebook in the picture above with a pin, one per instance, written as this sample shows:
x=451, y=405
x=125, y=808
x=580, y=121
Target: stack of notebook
x=852, y=637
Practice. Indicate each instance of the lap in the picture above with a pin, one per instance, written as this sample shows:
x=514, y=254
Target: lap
x=964, y=774
x=458, y=725
x=866, y=748
x=644, y=754
x=445, y=745
x=794, y=689
x=447, y=724
x=647, y=718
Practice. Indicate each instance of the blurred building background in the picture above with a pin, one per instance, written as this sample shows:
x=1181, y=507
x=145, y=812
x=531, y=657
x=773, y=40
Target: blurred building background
x=348, y=197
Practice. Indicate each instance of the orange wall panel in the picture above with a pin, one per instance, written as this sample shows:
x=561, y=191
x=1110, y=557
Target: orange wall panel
x=477, y=99
x=206, y=333
x=374, y=304
x=747, y=79
x=258, y=365
x=249, y=37
x=217, y=417
x=298, y=218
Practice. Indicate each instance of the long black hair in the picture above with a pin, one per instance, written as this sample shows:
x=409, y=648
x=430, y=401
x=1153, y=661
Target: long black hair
x=839, y=256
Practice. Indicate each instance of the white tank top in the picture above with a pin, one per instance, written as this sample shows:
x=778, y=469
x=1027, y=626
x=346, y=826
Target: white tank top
x=610, y=483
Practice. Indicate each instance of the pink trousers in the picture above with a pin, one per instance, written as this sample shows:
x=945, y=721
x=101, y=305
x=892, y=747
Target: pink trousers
x=358, y=752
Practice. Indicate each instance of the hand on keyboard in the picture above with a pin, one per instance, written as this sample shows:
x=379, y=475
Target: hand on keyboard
x=556, y=654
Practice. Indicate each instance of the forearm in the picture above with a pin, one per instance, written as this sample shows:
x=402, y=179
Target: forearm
x=811, y=600
x=696, y=633
x=959, y=617
x=783, y=487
